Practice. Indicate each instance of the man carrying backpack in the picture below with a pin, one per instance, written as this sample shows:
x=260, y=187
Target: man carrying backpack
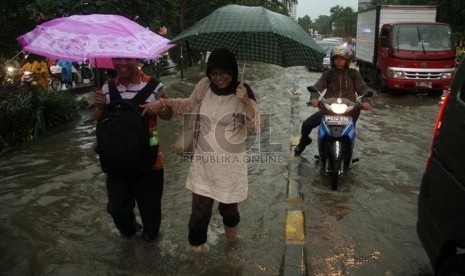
x=340, y=81
x=127, y=144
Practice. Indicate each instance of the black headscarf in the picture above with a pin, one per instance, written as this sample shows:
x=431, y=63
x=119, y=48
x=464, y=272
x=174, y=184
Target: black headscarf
x=225, y=60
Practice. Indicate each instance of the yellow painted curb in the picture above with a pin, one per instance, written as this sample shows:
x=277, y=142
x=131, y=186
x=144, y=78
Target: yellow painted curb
x=295, y=138
x=295, y=227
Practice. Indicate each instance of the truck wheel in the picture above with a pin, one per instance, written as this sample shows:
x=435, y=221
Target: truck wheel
x=435, y=92
x=453, y=266
x=380, y=83
x=362, y=69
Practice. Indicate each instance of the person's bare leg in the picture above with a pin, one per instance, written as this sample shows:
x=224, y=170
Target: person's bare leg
x=231, y=233
x=199, y=249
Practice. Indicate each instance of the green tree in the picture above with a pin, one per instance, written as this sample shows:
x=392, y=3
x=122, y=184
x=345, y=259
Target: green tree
x=323, y=25
x=453, y=12
x=147, y=13
x=15, y=20
x=305, y=22
x=344, y=20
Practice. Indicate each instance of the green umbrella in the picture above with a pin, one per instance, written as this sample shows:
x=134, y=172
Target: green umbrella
x=254, y=34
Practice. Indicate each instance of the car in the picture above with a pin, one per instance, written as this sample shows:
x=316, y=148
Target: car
x=327, y=46
x=441, y=201
x=339, y=40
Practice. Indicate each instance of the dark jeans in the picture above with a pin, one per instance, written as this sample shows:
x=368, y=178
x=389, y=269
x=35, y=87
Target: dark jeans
x=124, y=192
x=202, y=213
x=314, y=121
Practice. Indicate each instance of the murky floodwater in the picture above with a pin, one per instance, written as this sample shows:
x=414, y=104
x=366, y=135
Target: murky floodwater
x=53, y=219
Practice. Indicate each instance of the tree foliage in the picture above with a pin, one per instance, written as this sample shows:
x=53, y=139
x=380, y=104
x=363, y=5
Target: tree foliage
x=305, y=22
x=323, y=24
x=344, y=20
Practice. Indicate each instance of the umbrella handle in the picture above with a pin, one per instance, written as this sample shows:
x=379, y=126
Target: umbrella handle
x=243, y=70
x=97, y=75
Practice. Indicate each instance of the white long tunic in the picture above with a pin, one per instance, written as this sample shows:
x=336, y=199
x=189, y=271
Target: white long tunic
x=219, y=166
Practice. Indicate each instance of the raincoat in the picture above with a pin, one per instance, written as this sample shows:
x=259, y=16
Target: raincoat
x=40, y=71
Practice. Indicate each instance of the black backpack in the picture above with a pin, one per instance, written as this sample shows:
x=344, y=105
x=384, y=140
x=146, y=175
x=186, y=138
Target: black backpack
x=123, y=134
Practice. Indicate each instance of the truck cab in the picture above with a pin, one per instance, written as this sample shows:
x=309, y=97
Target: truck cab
x=415, y=56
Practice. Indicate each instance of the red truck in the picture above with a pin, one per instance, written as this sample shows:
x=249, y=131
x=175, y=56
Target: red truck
x=403, y=48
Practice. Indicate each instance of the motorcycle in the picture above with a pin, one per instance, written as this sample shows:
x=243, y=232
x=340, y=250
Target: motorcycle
x=163, y=61
x=10, y=71
x=10, y=74
x=27, y=79
x=336, y=135
x=54, y=81
x=159, y=66
x=85, y=71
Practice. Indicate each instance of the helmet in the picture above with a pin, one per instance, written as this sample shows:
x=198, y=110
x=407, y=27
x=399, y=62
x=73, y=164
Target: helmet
x=340, y=51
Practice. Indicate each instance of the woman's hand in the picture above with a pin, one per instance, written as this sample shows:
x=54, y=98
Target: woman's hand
x=241, y=93
x=151, y=108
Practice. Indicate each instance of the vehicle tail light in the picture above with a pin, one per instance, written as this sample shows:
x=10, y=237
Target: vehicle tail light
x=437, y=126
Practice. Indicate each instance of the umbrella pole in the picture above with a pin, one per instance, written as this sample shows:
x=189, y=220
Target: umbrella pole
x=181, y=57
x=243, y=70
x=97, y=74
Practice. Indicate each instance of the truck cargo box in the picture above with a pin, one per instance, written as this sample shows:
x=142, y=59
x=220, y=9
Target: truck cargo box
x=369, y=23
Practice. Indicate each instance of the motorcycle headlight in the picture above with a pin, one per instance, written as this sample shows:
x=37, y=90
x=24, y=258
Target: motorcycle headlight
x=10, y=69
x=339, y=108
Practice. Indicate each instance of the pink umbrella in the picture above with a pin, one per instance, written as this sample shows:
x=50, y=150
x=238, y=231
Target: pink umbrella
x=104, y=63
x=85, y=37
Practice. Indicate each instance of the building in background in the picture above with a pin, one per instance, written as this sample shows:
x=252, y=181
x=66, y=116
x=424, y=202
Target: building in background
x=364, y=4
x=292, y=11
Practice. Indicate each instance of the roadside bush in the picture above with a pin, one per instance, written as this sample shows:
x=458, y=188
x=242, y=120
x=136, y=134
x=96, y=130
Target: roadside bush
x=460, y=52
x=26, y=114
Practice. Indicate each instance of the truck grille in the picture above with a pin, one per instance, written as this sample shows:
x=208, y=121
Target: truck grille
x=422, y=75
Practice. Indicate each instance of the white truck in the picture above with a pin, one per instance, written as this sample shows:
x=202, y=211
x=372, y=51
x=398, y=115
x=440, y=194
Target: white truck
x=402, y=47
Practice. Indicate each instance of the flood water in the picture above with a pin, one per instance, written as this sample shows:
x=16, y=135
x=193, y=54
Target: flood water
x=53, y=218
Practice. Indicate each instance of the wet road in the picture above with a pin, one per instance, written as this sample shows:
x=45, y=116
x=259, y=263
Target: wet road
x=367, y=226
x=52, y=197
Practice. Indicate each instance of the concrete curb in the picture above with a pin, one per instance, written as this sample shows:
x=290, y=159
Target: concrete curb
x=294, y=253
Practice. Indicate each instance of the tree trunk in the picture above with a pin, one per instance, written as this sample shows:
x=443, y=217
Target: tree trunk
x=182, y=16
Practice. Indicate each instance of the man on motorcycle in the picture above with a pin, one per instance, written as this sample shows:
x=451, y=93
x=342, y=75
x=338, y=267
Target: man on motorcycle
x=38, y=68
x=340, y=82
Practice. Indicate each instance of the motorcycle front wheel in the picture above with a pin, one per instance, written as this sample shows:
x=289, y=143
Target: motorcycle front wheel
x=337, y=168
